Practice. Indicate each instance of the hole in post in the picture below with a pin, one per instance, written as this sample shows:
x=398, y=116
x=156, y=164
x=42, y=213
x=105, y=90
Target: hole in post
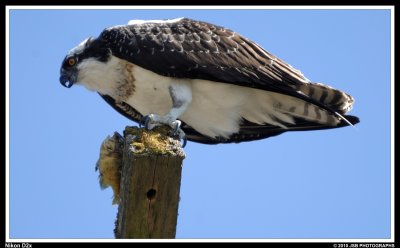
x=151, y=194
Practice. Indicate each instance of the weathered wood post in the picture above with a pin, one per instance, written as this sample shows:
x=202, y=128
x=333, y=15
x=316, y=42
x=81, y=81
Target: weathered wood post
x=150, y=184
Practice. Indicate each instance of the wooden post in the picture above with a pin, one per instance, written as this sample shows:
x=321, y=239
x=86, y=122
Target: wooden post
x=150, y=184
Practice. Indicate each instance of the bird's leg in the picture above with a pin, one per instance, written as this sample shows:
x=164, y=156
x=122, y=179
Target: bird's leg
x=181, y=96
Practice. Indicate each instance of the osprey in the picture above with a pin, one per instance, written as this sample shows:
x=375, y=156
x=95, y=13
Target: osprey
x=210, y=84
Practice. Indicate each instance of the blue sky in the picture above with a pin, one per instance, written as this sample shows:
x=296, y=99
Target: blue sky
x=321, y=184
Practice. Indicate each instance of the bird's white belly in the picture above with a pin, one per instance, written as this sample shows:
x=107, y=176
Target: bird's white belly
x=216, y=108
x=213, y=110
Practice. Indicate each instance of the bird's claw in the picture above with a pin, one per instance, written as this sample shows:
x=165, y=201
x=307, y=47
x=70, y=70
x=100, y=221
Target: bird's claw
x=178, y=132
x=184, y=140
x=176, y=127
x=148, y=122
x=181, y=135
x=142, y=121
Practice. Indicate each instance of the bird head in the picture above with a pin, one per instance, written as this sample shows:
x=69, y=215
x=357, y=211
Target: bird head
x=73, y=62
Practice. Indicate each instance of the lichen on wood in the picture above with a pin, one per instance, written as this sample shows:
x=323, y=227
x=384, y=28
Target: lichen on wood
x=156, y=141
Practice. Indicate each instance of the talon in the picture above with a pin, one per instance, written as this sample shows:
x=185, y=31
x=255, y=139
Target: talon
x=152, y=120
x=146, y=121
x=184, y=141
x=143, y=121
x=176, y=125
x=182, y=136
x=176, y=129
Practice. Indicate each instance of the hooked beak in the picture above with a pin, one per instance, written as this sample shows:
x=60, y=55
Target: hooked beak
x=67, y=77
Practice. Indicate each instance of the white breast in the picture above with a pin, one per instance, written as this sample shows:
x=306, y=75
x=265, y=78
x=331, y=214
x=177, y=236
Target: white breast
x=98, y=76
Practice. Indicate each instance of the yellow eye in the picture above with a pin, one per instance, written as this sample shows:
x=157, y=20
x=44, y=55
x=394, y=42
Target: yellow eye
x=71, y=61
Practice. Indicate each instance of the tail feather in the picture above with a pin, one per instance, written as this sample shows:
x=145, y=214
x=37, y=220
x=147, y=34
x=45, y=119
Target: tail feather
x=335, y=99
x=250, y=131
